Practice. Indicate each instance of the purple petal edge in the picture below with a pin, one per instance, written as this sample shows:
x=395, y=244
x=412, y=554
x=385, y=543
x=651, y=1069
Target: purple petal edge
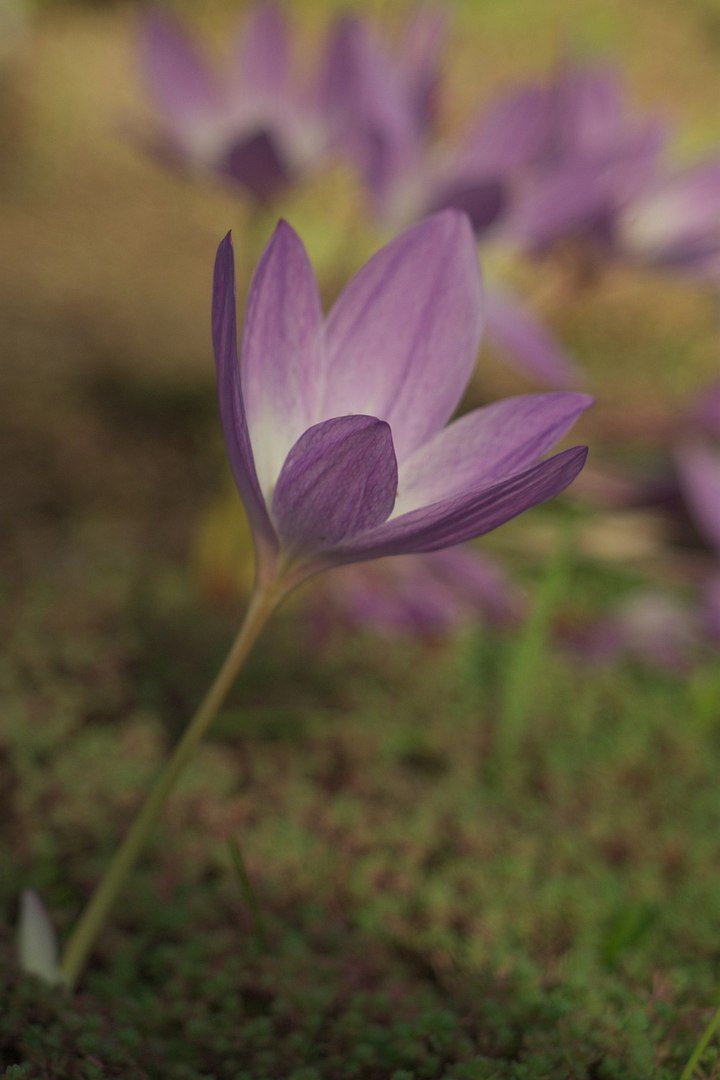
x=232, y=408
x=454, y=521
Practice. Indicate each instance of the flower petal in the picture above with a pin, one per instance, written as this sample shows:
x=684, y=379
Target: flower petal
x=369, y=109
x=699, y=470
x=676, y=221
x=256, y=162
x=403, y=336
x=650, y=626
x=587, y=108
x=511, y=134
x=484, y=198
x=232, y=407
x=418, y=60
x=179, y=81
x=263, y=53
x=339, y=479
x=526, y=344
x=37, y=940
x=485, y=446
x=455, y=520
x=281, y=353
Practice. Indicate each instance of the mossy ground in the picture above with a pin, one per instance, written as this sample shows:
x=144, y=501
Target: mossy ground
x=455, y=880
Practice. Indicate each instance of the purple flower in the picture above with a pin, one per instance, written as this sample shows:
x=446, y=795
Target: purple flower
x=335, y=427
x=255, y=123
x=650, y=626
x=424, y=595
x=382, y=105
x=592, y=158
x=674, y=223
x=598, y=174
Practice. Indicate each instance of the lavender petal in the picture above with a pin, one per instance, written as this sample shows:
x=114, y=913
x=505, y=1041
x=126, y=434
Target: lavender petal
x=339, y=479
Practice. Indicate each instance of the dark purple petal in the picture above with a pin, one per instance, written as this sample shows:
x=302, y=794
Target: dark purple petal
x=256, y=162
x=455, y=520
x=281, y=353
x=699, y=475
x=232, y=408
x=179, y=81
x=339, y=479
x=403, y=336
x=485, y=446
x=525, y=343
x=483, y=199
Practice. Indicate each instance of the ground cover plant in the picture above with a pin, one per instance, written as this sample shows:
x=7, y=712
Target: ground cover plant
x=476, y=851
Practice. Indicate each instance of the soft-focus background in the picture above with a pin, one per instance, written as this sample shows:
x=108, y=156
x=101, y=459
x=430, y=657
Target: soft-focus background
x=476, y=853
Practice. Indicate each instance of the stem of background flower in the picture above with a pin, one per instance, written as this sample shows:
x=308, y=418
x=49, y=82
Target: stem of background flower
x=264, y=601
x=701, y=1046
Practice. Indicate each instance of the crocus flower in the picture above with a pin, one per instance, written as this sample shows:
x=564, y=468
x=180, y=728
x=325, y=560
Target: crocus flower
x=655, y=625
x=424, y=596
x=381, y=102
x=427, y=596
x=336, y=428
x=674, y=223
x=599, y=175
x=650, y=626
x=254, y=123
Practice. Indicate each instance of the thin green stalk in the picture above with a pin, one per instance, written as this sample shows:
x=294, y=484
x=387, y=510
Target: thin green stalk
x=524, y=668
x=701, y=1046
x=246, y=885
x=82, y=939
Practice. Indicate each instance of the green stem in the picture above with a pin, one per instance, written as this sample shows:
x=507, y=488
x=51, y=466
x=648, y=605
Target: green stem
x=264, y=601
x=701, y=1046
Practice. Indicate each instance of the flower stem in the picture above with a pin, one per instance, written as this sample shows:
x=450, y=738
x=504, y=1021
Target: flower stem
x=263, y=603
x=701, y=1046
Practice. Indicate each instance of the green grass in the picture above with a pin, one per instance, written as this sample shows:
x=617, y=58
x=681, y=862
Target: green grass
x=418, y=921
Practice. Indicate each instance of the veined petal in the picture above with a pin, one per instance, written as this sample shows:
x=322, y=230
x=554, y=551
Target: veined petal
x=339, y=479
x=485, y=446
x=403, y=336
x=179, y=81
x=281, y=353
x=699, y=470
x=232, y=407
x=455, y=520
x=526, y=343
